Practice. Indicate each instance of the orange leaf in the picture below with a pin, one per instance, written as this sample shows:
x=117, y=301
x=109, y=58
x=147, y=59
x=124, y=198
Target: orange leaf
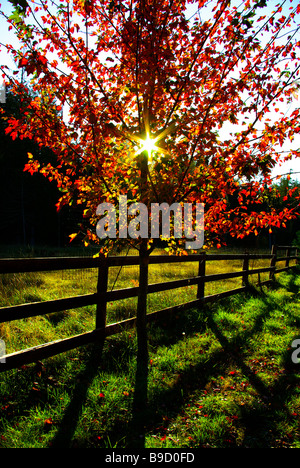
x=23, y=62
x=72, y=236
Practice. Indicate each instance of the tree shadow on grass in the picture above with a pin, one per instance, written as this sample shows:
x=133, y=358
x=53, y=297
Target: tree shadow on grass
x=140, y=408
x=95, y=362
x=65, y=434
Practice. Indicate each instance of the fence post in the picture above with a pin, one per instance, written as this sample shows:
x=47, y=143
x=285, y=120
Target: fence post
x=101, y=291
x=245, y=276
x=273, y=262
x=201, y=272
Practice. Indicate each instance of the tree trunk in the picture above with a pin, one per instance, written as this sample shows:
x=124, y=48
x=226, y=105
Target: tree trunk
x=140, y=401
x=141, y=322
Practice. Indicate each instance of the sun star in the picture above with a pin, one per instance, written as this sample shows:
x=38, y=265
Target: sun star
x=148, y=145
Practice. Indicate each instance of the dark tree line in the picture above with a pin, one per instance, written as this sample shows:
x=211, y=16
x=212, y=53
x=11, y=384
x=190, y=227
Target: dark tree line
x=28, y=214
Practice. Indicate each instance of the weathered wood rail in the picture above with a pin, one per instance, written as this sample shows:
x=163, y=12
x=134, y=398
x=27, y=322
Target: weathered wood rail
x=102, y=296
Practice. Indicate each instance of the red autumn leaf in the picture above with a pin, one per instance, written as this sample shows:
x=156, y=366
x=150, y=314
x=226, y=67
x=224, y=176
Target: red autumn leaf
x=48, y=422
x=23, y=61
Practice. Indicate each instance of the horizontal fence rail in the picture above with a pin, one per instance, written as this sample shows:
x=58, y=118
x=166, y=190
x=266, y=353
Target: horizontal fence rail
x=26, y=265
x=102, y=296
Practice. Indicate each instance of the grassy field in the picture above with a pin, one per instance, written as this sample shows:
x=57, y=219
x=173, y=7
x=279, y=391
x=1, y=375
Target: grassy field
x=221, y=376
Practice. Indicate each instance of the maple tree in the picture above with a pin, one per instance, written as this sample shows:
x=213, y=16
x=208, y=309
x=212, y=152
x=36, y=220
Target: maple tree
x=129, y=69
x=179, y=72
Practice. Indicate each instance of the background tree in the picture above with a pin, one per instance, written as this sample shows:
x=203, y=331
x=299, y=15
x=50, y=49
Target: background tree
x=285, y=191
x=27, y=203
x=128, y=70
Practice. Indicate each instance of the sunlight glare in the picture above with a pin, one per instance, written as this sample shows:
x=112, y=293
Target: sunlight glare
x=148, y=145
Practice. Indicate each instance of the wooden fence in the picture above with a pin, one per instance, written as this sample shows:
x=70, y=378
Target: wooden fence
x=102, y=296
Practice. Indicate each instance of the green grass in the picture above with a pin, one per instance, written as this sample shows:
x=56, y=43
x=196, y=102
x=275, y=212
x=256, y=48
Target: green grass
x=218, y=377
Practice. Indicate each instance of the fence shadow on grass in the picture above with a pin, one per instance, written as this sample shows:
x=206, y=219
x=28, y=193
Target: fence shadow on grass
x=290, y=281
x=94, y=362
x=258, y=421
x=274, y=396
x=67, y=427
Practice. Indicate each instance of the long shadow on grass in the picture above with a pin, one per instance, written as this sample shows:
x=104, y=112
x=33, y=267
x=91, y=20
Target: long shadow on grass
x=260, y=420
x=171, y=401
x=65, y=433
x=136, y=437
x=96, y=361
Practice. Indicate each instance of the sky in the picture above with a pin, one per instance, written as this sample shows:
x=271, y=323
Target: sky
x=288, y=167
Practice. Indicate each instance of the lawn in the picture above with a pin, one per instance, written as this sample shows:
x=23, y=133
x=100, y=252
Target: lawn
x=220, y=376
